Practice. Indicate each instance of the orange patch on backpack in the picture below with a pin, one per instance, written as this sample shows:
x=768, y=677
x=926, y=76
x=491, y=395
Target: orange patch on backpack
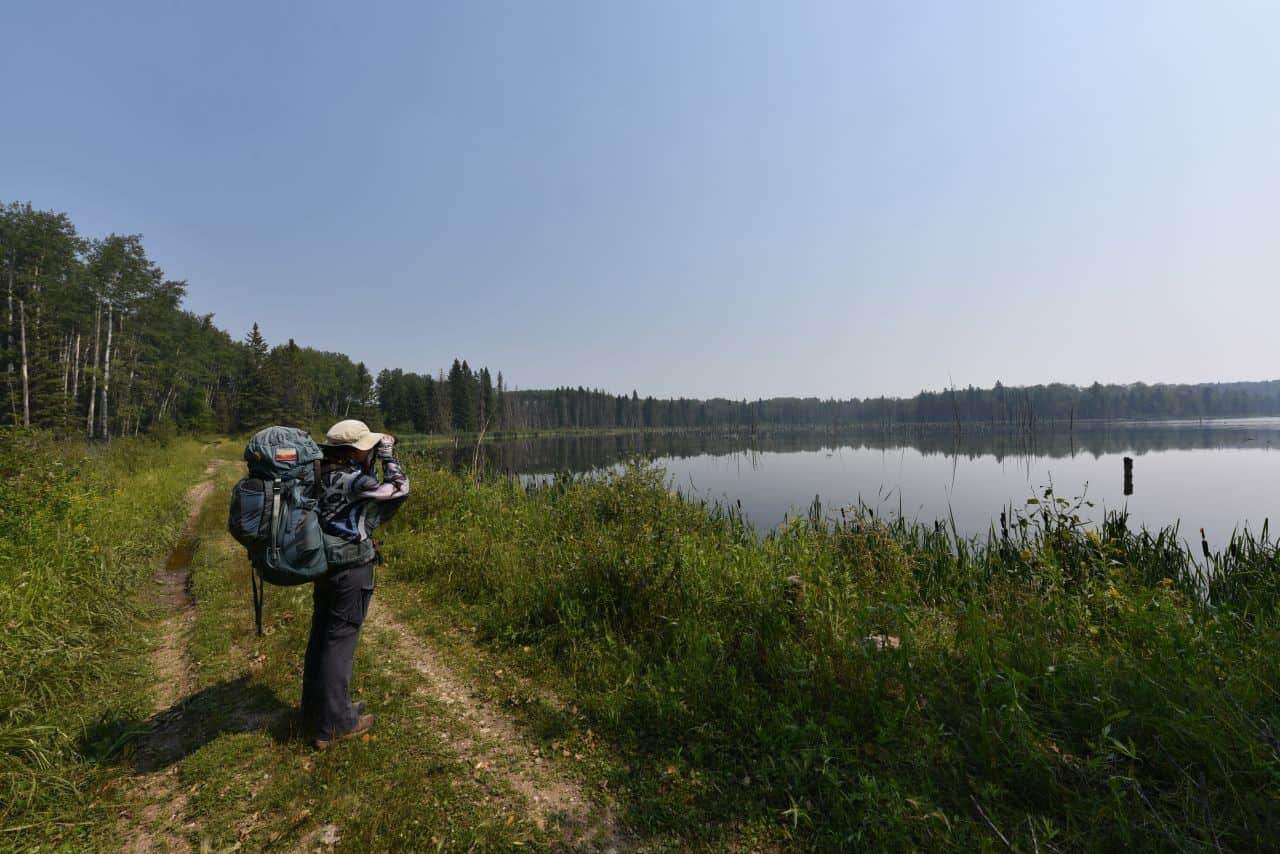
x=287, y=455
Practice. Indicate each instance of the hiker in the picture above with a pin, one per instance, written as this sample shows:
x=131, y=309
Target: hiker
x=353, y=502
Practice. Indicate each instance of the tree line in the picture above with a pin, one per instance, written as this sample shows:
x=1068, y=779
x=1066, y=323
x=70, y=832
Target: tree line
x=464, y=400
x=1000, y=405
x=96, y=342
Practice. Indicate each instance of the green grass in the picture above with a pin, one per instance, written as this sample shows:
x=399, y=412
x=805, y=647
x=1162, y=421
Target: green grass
x=1061, y=687
x=82, y=529
x=249, y=774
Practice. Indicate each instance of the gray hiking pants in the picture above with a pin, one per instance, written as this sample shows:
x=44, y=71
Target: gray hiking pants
x=341, y=602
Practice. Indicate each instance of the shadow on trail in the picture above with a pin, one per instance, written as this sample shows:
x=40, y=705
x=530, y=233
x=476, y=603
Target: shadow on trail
x=227, y=708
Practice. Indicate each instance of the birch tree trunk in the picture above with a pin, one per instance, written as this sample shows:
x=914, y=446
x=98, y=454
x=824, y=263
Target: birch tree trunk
x=106, y=374
x=26, y=392
x=164, y=404
x=93, y=376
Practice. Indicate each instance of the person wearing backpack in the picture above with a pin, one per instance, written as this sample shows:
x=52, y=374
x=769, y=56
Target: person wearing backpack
x=352, y=503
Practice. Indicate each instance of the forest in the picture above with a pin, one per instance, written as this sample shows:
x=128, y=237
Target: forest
x=1021, y=407
x=97, y=343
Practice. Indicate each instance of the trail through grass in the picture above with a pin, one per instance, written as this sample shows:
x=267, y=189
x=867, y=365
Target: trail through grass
x=154, y=799
x=492, y=743
x=599, y=664
x=82, y=529
x=228, y=763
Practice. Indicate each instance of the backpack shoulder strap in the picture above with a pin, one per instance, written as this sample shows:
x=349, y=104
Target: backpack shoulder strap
x=317, y=487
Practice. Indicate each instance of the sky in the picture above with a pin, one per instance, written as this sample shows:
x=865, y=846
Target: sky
x=691, y=198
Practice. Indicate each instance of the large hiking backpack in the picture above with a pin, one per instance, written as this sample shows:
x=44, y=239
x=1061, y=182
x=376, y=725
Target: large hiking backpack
x=275, y=511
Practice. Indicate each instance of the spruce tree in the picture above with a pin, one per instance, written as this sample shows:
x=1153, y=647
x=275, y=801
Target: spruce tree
x=256, y=403
x=460, y=397
x=486, y=400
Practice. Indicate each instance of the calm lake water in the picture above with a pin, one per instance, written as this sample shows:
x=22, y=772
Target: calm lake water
x=1218, y=475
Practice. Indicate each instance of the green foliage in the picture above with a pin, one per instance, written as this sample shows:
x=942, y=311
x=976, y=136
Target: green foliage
x=81, y=531
x=462, y=397
x=881, y=684
x=999, y=406
x=100, y=346
x=465, y=401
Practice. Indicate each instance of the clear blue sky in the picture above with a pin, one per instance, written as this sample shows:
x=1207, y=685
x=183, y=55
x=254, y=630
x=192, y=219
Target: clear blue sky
x=697, y=198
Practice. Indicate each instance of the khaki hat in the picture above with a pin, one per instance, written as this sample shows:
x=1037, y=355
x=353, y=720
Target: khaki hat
x=352, y=432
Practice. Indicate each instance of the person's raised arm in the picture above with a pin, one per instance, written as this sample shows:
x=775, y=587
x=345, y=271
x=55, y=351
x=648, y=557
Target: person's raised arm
x=395, y=483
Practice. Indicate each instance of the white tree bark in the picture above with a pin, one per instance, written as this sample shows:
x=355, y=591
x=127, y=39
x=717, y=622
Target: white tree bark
x=106, y=374
x=93, y=377
x=26, y=392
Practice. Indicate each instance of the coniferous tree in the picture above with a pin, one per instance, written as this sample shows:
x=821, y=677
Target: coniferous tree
x=501, y=415
x=486, y=400
x=291, y=390
x=461, y=397
x=256, y=400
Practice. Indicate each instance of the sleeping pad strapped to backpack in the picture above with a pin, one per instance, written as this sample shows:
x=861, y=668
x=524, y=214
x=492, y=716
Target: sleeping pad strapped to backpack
x=275, y=510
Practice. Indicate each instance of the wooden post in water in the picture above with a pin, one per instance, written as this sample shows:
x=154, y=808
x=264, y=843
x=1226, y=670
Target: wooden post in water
x=1128, y=475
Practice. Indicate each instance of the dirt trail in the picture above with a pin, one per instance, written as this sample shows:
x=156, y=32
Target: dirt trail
x=480, y=733
x=174, y=679
x=155, y=825
x=491, y=743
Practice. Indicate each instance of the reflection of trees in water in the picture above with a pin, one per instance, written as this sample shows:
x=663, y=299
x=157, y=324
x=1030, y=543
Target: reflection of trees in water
x=550, y=454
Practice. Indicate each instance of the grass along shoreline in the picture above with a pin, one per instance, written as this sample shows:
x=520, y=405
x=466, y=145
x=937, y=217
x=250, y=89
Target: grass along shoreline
x=694, y=686
x=1061, y=688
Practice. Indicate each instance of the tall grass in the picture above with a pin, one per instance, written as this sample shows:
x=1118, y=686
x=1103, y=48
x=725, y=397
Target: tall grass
x=81, y=530
x=881, y=683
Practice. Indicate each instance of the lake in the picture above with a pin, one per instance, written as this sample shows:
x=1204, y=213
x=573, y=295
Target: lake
x=1215, y=474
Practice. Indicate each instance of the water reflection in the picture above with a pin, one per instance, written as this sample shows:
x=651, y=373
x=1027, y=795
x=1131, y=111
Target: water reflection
x=578, y=453
x=1216, y=474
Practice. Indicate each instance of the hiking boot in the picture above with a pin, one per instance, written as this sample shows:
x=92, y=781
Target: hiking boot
x=362, y=725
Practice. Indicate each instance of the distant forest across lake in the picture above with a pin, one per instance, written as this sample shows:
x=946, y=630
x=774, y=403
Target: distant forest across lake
x=97, y=343
x=1023, y=406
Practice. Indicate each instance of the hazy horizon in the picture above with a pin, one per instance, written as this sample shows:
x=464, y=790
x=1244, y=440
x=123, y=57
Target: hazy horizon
x=700, y=200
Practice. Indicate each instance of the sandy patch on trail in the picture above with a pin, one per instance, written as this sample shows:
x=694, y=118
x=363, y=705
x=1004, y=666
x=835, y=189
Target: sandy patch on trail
x=490, y=742
x=157, y=822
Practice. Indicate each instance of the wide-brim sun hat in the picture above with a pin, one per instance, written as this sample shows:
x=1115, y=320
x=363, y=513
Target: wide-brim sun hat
x=351, y=432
